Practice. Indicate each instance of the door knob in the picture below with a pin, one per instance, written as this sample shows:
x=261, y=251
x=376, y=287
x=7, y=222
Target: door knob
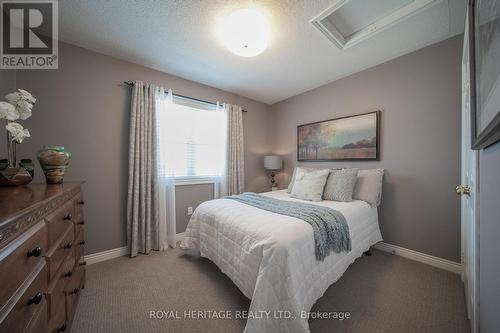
x=463, y=190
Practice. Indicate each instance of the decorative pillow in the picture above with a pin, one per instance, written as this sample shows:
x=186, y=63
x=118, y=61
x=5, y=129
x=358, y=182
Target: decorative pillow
x=340, y=185
x=289, y=190
x=369, y=186
x=309, y=185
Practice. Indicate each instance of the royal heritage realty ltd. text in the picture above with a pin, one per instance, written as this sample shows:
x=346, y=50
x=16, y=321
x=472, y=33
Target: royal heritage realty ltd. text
x=229, y=314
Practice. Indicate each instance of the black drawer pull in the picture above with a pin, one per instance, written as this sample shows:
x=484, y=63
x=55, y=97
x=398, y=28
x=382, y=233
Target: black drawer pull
x=68, y=274
x=67, y=246
x=83, y=222
x=36, y=252
x=74, y=291
x=68, y=217
x=82, y=242
x=81, y=202
x=35, y=299
x=61, y=328
x=83, y=263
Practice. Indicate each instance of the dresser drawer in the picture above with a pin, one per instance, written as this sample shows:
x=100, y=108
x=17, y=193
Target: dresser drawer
x=79, y=202
x=57, y=323
x=28, y=305
x=55, y=298
x=19, y=259
x=68, y=267
x=58, y=221
x=73, y=290
x=39, y=323
x=61, y=251
x=76, y=280
x=79, y=226
x=65, y=274
x=79, y=247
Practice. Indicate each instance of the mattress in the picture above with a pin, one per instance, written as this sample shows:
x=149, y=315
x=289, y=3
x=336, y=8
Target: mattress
x=271, y=259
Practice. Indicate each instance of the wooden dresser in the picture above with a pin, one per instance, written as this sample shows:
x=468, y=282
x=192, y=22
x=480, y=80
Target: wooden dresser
x=41, y=257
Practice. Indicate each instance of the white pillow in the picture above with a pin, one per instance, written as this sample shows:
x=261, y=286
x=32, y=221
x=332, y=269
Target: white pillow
x=309, y=185
x=290, y=186
x=369, y=186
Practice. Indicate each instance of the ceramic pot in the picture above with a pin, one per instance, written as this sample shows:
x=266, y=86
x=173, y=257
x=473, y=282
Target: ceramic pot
x=54, y=160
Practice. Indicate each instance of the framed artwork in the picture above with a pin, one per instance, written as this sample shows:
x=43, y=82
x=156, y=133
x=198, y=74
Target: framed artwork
x=347, y=138
x=484, y=47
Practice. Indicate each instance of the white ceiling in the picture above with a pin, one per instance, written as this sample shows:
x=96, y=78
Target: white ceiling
x=177, y=37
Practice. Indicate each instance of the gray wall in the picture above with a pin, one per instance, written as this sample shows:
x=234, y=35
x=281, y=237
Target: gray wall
x=419, y=95
x=7, y=82
x=84, y=106
x=189, y=196
x=489, y=235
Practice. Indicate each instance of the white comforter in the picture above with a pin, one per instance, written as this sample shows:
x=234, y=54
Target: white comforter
x=270, y=257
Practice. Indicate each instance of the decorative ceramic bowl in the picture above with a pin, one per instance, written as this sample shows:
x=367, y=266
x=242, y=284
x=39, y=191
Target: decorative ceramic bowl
x=54, y=160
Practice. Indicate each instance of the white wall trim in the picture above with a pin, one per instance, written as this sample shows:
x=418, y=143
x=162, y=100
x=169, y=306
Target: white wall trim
x=106, y=255
x=445, y=264
x=94, y=258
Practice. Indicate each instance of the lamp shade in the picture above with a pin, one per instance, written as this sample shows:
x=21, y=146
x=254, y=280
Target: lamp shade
x=273, y=162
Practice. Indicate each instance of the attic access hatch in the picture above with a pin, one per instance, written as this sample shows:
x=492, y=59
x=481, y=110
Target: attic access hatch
x=348, y=22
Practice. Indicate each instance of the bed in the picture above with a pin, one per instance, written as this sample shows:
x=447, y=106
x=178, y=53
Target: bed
x=271, y=257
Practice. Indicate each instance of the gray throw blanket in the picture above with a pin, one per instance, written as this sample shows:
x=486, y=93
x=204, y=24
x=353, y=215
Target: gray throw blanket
x=331, y=231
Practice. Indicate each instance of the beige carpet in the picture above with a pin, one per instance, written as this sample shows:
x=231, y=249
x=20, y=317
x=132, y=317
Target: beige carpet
x=383, y=293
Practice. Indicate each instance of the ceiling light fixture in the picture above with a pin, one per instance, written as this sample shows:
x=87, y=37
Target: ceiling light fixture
x=245, y=32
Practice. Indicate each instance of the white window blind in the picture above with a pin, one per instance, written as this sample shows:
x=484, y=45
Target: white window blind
x=192, y=140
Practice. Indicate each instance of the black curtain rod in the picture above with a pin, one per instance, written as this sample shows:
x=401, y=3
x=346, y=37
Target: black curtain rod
x=131, y=84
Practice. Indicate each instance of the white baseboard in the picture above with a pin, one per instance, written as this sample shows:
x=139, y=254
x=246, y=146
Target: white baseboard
x=106, y=255
x=115, y=253
x=445, y=264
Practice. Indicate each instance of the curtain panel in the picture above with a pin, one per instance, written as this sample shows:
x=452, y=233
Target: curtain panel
x=149, y=200
x=235, y=167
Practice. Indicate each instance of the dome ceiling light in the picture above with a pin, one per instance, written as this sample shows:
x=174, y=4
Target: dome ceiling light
x=244, y=32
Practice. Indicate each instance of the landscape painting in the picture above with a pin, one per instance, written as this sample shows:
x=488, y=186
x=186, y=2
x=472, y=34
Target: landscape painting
x=348, y=138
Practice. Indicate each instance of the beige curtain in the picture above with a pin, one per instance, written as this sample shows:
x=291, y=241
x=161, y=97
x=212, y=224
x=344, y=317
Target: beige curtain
x=235, y=167
x=143, y=195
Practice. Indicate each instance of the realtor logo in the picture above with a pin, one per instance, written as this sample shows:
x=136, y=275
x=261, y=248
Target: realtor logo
x=29, y=34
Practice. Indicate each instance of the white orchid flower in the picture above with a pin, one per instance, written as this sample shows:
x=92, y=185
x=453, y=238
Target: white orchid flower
x=8, y=111
x=18, y=132
x=23, y=103
x=24, y=109
x=27, y=96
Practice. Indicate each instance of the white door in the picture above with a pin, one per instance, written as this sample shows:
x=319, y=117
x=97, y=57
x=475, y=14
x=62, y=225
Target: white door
x=468, y=190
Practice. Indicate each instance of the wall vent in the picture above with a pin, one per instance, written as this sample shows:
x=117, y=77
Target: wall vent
x=348, y=22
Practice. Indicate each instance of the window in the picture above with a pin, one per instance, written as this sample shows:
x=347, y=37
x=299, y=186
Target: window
x=192, y=139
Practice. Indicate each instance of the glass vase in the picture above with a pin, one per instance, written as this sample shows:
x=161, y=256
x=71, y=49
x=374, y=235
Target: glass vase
x=11, y=151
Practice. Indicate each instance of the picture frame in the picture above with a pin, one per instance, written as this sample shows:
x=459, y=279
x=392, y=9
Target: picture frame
x=349, y=138
x=484, y=47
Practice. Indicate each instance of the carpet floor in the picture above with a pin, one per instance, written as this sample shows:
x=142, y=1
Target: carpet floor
x=382, y=293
